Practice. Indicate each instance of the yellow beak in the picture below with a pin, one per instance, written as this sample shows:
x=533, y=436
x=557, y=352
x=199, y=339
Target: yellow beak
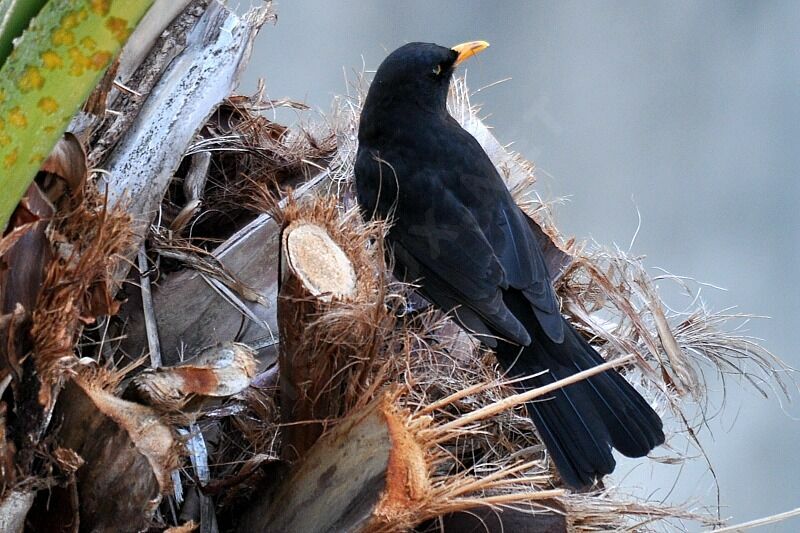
x=467, y=50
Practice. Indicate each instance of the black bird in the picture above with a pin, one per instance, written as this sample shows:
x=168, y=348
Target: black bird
x=457, y=232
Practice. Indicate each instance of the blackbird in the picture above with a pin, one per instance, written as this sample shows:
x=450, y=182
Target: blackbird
x=457, y=233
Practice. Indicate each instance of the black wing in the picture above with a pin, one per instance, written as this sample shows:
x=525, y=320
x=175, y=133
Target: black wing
x=458, y=231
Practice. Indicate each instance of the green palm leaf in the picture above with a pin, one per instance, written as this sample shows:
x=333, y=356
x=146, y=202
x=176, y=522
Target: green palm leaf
x=52, y=69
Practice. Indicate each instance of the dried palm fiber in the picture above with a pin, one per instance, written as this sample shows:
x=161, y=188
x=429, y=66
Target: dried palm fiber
x=248, y=150
x=450, y=476
x=88, y=242
x=79, y=244
x=331, y=314
x=452, y=473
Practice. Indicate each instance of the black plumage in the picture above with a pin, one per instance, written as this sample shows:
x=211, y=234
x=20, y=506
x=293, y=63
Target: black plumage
x=458, y=233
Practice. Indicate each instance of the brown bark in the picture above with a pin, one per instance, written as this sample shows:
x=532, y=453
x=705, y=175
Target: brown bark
x=363, y=475
x=127, y=455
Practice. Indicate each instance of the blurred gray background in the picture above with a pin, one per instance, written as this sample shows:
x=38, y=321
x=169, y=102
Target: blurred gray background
x=689, y=111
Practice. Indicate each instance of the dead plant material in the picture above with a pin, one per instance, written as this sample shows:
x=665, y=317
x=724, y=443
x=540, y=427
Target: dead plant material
x=760, y=522
x=356, y=478
x=97, y=102
x=411, y=468
x=496, y=459
x=24, y=255
x=68, y=461
x=140, y=75
x=480, y=450
x=77, y=287
x=519, y=519
x=32, y=209
x=412, y=419
x=671, y=346
x=249, y=441
x=116, y=440
x=393, y=464
x=194, y=184
x=65, y=172
x=14, y=508
x=251, y=151
x=225, y=295
x=218, y=371
x=8, y=474
x=608, y=511
x=188, y=527
x=25, y=252
x=13, y=344
x=189, y=90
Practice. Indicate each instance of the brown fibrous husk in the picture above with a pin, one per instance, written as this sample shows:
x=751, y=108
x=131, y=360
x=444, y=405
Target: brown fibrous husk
x=78, y=287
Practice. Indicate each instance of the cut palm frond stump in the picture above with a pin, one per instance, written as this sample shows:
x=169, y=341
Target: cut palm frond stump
x=359, y=477
x=314, y=272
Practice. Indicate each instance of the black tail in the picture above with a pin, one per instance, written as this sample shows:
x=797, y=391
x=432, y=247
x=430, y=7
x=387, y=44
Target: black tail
x=579, y=424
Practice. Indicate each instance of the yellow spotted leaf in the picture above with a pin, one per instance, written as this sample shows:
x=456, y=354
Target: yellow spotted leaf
x=52, y=69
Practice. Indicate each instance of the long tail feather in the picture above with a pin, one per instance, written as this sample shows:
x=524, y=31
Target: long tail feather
x=581, y=423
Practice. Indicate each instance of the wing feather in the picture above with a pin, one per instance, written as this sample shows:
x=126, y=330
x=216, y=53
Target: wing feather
x=462, y=236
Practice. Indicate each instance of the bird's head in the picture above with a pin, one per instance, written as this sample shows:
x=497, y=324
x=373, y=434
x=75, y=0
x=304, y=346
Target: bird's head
x=419, y=73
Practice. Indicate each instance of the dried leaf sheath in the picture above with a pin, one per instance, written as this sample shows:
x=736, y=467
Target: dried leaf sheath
x=358, y=477
x=117, y=440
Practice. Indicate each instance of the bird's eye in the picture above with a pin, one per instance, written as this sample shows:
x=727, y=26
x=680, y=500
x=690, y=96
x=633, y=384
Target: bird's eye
x=437, y=70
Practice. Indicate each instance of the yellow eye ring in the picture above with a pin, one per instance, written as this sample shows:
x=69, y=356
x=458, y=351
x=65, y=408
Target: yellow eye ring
x=437, y=70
